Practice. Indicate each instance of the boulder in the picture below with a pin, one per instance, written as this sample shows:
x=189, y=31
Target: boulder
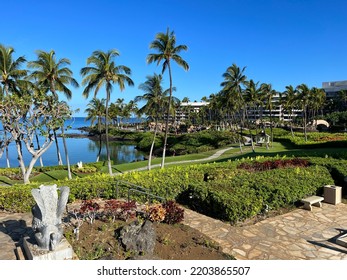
x=139, y=238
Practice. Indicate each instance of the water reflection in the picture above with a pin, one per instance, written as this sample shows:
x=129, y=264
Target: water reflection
x=79, y=149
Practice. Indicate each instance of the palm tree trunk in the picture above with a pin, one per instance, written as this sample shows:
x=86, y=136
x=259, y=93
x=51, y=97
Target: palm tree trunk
x=100, y=142
x=107, y=140
x=66, y=154
x=152, y=146
x=305, y=120
x=60, y=162
x=6, y=150
x=167, y=119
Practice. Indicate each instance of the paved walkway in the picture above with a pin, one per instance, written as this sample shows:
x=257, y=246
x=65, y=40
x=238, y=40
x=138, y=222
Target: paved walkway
x=297, y=235
x=212, y=157
x=300, y=234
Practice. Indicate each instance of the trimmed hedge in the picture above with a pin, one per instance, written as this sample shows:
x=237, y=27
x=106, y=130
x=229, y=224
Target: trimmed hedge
x=220, y=190
x=248, y=194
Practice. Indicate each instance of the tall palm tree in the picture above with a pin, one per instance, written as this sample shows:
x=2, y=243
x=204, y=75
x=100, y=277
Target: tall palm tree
x=103, y=71
x=11, y=79
x=252, y=99
x=154, y=96
x=234, y=79
x=317, y=101
x=52, y=75
x=167, y=51
x=267, y=94
x=304, y=97
x=96, y=112
x=289, y=103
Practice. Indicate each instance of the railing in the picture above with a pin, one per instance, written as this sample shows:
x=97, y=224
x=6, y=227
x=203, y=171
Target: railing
x=132, y=188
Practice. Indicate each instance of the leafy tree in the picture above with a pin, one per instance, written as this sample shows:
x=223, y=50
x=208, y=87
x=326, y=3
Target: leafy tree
x=12, y=77
x=21, y=118
x=167, y=51
x=102, y=71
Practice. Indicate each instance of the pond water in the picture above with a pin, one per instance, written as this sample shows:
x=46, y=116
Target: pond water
x=79, y=149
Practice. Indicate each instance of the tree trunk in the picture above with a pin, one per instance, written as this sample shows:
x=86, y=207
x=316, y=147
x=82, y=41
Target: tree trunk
x=107, y=140
x=100, y=142
x=38, y=147
x=66, y=154
x=6, y=151
x=167, y=119
x=60, y=162
x=152, y=146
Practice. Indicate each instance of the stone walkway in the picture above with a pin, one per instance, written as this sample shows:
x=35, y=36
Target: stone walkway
x=300, y=234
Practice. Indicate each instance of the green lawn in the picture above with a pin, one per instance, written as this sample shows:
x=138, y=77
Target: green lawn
x=235, y=153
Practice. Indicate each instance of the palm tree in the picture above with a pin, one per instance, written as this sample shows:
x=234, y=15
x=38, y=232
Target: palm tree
x=104, y=72
x=317, y=101
x=267, y=95
x=167, y=51
x=11, y=79
x=154, y=96
x=252, y=99
x=54, y=76
x=289, y=103
x=304, y=97
x=234, y=79
x=96, y=111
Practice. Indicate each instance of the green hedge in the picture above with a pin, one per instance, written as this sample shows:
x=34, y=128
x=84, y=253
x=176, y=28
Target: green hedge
x=248, y=194
x=216, y=189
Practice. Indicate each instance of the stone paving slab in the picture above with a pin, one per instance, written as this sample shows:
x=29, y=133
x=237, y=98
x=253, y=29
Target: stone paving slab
x=300, y=234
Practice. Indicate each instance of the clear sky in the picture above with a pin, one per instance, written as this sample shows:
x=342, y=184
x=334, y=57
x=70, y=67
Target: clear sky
x=282, y=42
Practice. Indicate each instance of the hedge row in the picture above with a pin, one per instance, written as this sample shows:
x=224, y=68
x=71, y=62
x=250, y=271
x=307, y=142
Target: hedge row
x=249, y=194
x=217, y=189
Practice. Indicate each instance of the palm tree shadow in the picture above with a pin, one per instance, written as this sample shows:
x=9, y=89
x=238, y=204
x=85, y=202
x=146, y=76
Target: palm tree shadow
x=331, y=243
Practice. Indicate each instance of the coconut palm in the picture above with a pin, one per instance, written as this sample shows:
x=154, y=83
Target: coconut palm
x=267, y=95
x=252, y=99
x=103, y=71
x=52, y=75
x=96, y=112
x=167, y=51
x=289, y=103
x=304, y=98
x=234, y=79
x=11, y=79
x=154, y=96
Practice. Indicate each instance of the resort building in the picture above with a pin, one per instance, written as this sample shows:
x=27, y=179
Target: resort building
x=333, y=88
x=187, y=108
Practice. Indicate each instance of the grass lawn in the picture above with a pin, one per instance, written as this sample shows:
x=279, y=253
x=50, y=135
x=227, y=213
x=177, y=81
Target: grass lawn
x=235, y=153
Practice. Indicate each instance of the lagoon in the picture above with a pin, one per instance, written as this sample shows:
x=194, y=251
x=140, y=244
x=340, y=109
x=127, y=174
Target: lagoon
x=79, y=149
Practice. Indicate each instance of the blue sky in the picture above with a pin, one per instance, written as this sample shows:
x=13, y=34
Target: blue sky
x=282, y=42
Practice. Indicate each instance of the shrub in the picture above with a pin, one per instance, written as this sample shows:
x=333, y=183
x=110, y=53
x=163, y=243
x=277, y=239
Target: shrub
x=174, y=214
x=156, y=213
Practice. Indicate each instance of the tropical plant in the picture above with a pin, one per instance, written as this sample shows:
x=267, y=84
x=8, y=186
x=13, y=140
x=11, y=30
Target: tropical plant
x=232, y=90
x=154, y=96
x=11, y=79
x=167, y=51
x=52, y=75
x=304, y=98
x=289, y=103
x=103, y=71
x=96, y=112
